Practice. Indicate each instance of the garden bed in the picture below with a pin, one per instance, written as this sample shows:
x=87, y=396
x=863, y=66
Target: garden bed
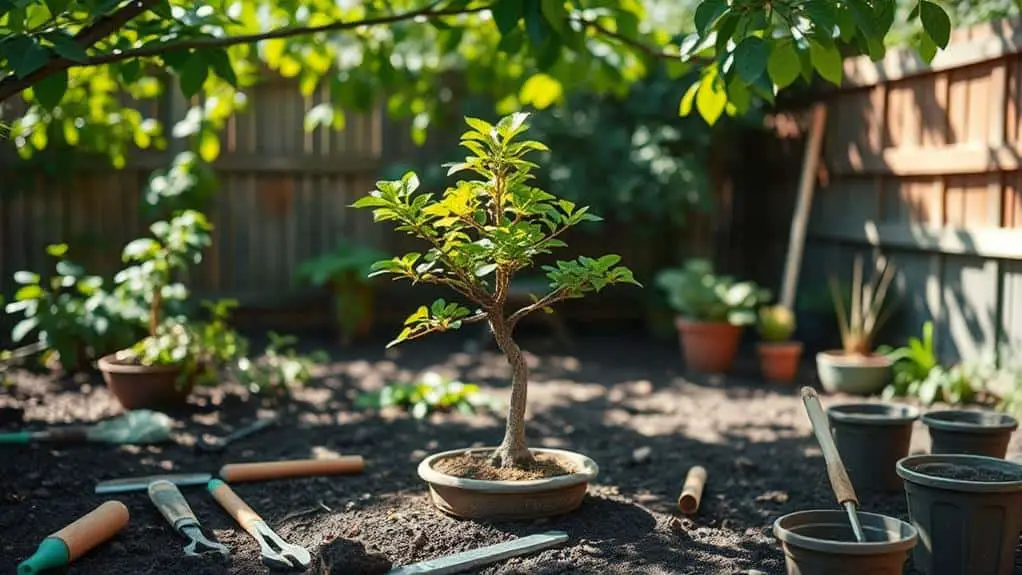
x=622, y=401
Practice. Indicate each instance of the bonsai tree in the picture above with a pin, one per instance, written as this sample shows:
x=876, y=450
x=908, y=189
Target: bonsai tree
x=478, y=234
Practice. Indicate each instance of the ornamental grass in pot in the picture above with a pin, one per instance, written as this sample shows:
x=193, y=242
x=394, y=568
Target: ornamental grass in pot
x=479, y=232
x=856, y=368
x=778, y=354
x=712, y=309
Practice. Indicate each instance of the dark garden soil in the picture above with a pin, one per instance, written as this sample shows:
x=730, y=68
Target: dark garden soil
x=965, y=473
x=624, y=402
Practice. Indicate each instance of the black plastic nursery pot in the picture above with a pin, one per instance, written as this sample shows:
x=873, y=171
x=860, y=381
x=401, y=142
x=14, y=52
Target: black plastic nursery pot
x=871, y=438
x=967, y=510
x=970, y=432
x=821, y=542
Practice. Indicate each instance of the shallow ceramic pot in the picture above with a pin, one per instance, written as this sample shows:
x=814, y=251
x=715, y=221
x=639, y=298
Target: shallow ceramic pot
x=970, y=432
x=821, y=542
x=708, y=347
x=509, y=500
x=143, y=386
x=871, y=438
x=779, y=361
x=857, y=375
x=966, y=527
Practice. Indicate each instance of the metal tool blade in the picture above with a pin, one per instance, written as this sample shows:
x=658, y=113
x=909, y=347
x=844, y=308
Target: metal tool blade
x=475, y=558
x=128, y=484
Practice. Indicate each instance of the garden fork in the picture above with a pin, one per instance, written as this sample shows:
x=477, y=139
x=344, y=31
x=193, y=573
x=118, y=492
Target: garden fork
x=285, y=556
x=174, y=508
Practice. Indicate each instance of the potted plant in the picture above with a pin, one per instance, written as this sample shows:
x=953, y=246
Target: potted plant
x=968, y=510
x=856, y=368
x=480, y=232
x=778, y=355
x=161, y=369
x=970, y=432
x=712, y=310
x=345, y=270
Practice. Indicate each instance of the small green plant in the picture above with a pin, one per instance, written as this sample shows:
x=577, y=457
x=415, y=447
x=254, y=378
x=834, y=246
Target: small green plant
x=280, y=368
x=699, y=294
x=918, y=373
x=866, y=312
x=776, y=323
x=480, y=232
x=346, y=270
x=431, y=393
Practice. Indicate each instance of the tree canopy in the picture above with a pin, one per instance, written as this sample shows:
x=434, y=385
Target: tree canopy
x=70, y=59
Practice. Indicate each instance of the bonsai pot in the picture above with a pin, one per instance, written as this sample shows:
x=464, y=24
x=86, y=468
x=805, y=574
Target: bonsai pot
x=821, y=542
x=968, y=511
x=144, y=386
x=509, y=500
x=871, y=438
x=855, y=374
x=779, y=360
x=970, y=432
x=708, y=347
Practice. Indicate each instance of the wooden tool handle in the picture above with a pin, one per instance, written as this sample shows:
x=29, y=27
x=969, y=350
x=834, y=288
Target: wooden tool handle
x=171, y=503
x=93, y=528
x=234, y=506
x=236, y=472
x=692, y=491
x=839, y=480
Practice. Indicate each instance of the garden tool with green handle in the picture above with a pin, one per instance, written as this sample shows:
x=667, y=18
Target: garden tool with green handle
x=138, y=426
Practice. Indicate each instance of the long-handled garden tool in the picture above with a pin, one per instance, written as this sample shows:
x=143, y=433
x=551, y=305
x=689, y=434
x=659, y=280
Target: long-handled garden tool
x=275, y=551
x=138, y=426
x=476, y=558
x=212, y=443
x=175, y=509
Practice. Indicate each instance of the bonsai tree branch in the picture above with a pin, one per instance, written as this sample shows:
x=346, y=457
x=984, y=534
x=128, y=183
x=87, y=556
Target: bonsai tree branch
x=545, y=301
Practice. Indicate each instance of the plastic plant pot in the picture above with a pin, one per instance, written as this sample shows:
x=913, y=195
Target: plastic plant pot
x=970, y=432
x=871, y=438
x=821, y=542
x=968, y=511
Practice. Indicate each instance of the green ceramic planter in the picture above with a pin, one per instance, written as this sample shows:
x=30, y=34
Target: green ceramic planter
x=856, y=375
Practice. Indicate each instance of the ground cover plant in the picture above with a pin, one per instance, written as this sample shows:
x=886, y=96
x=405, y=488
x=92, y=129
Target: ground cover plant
x=479, y=233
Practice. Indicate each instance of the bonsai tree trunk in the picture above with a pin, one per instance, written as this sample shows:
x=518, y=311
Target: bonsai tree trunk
x=512, y=452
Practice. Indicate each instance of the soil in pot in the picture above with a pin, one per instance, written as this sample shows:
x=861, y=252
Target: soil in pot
x=779, y=361
x=708, y=347
x=464, y=484
x=871, y=438
x=968, y=510
x=856, y=374
x=821, y=542
x=143, y=386
x=970, y=432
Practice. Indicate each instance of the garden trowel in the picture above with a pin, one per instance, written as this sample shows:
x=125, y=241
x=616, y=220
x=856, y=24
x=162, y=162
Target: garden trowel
x=138, y=426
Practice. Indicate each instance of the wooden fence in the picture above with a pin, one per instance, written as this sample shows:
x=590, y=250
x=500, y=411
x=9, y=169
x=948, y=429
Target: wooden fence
x=922, y=162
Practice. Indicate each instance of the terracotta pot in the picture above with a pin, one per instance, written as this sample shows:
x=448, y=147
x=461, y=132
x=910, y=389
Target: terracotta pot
x=855, y=374
x=708, y=347
x=508, y=500
x=779, y=361
x=144, y=387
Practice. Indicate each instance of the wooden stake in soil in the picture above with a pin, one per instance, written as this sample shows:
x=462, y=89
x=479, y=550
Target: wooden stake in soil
x=692, y=492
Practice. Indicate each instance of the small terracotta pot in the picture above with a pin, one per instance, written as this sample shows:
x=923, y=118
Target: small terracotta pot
x=708, y=347
x=143, y=386
x=508, y=500
x=779, y=361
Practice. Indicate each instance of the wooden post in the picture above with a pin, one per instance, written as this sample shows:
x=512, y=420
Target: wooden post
x=800, y=221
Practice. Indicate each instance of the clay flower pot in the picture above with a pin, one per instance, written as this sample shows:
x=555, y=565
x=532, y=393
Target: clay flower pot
x=970, y=432
x=968, y=510
x=708, y=347
x=871, y=438
x=508, y=500
x=821, y=542
x=779, y=360
x=854, y=374
x=143, y=386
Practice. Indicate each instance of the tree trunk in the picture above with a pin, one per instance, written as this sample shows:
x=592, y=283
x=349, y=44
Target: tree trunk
x=513, y=452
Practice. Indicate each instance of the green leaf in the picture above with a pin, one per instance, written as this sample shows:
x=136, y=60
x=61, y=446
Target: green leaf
x=784, y=66
x=751, y=58
x=193, y=74
x=711, y=99
x=50, y=90
x=506, y=14
x=209, y=145
x=827, y=61
x=541, y=91
x=707, y=13
x=31, y=291
x=25, y=277
x=555, y=14
x=535, y=24
x=927, y=47
x=57, y=250
x=935, y=22
x=685, y=108
x=66, y=47
x=485, y=270
x=220, y=62
x=738, y=94
x=27, y=56
x=23, y=328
